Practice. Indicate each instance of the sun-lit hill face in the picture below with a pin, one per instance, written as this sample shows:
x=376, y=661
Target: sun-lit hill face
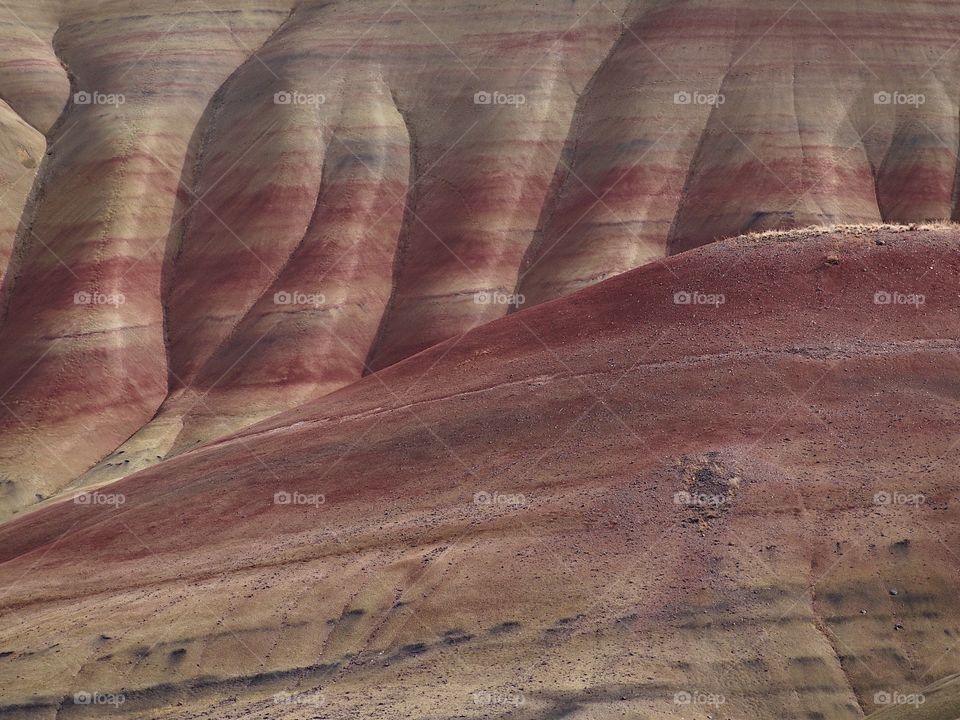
x=704, y=487
x=434, y=359
x=216, y=210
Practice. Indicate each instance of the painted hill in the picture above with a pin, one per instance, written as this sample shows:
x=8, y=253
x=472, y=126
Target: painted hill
x=708, y=486
x=215, y=210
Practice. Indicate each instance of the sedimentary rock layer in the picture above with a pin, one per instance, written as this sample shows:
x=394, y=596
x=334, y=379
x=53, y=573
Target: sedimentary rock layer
x=708, y=478
x=413, y=170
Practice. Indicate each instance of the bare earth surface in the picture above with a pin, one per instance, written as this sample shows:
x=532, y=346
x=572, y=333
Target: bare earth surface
x=287, y=196
x=619, y=504
x=455, y=359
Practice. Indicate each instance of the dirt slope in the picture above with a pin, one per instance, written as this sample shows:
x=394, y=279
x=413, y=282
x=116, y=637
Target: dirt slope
x=400, y=172
x=618, y=504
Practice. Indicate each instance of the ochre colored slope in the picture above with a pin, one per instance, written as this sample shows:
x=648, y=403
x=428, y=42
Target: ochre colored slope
x=80, y=376
x=602, y=506
x=347, y=152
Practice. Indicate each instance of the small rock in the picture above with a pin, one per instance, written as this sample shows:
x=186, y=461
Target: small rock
x=898, y=626
x=894, y=592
